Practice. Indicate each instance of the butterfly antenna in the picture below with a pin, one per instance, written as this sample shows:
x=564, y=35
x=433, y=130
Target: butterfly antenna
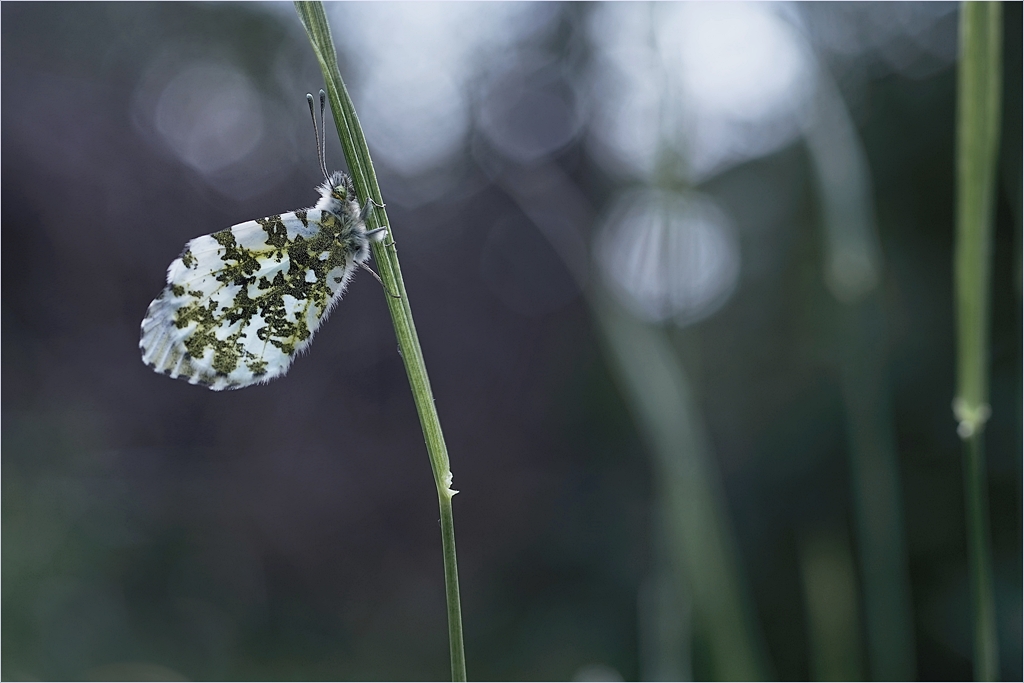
x=323, y=137
x=321, y=143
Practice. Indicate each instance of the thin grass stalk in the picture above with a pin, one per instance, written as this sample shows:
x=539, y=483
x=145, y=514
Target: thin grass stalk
x=664, y=609
x=700, y=542
x=357, y=154
x=876, y=487
x=979, y=80
x=853, y=272
x=830, y=603
x=699, y=545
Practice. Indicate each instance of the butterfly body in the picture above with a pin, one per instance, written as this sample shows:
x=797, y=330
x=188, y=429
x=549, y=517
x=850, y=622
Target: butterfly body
x=241, y=303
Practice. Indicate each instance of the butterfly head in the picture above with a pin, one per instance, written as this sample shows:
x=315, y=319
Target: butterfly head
x=337, y=195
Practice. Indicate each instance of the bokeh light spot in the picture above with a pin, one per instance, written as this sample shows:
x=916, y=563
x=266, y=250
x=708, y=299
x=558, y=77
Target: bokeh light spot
x=669, y=256
x=210, y=116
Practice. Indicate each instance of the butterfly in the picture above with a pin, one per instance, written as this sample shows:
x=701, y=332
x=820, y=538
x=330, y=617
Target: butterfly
x=241, y=303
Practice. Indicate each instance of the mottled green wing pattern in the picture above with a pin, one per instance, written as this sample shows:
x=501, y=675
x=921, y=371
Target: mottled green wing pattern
x=240, y=303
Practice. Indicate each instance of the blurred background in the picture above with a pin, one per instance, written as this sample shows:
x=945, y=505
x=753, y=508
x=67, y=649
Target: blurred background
x=682, y=277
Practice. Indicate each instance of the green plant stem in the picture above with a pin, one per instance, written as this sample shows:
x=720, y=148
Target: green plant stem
x=698, y=547
x=853, y=273
x=451, y=579
x=700, y=542
x=986, y=644
x=385, y=254
x=862, y=342
x=978, y=107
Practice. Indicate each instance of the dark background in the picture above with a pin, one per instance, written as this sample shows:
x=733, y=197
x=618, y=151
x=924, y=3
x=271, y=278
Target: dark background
x=153, y=529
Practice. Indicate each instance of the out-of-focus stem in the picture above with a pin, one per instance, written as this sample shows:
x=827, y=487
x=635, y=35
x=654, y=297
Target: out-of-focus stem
x=853, y=271
x=875, y=477
x=830, y=596
x=979, y=81
x=699, y=545
x=664, y=630
x=699, y=537
x=979, y=552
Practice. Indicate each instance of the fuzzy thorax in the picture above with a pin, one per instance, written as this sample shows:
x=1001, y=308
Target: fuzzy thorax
x=338, y=195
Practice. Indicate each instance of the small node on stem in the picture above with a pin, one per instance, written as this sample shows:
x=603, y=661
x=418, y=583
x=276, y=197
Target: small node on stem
x=970, y=419
x=447, y=480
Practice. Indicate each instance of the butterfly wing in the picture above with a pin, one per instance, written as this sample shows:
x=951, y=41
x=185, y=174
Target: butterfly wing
x=241, y=303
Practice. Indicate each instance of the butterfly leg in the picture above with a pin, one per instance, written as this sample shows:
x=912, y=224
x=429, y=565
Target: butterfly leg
x=377, y=234
x=364, y=212
x=377, y=278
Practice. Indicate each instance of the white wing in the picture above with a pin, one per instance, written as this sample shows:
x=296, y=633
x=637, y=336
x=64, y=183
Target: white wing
x=241, y=303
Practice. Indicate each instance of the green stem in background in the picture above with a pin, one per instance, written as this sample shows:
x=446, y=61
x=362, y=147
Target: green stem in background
x=701, y=545
x=875, y=480
x=853, y=272
x=830, y=601
x=386, y=256
x=979, y=80
x=664, y=607
x=697, y=547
